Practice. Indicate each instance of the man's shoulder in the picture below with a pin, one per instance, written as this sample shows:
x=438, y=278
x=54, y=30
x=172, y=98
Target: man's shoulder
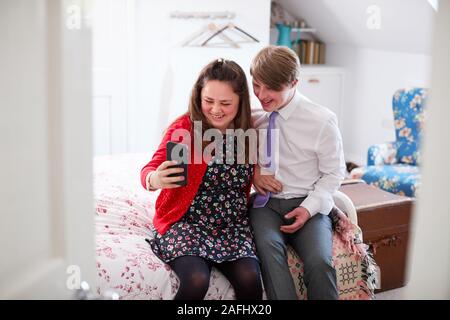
x=315, y=111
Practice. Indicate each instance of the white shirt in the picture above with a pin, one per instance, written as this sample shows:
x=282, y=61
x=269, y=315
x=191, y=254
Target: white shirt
x=310, y=158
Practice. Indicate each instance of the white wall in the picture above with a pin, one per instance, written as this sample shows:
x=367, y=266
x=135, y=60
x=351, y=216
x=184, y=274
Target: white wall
x=404, y=25
x=371, y=78
x=165, y=71
x=112, y=73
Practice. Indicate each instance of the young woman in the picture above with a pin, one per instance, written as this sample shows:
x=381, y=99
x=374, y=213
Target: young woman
x=205, y=223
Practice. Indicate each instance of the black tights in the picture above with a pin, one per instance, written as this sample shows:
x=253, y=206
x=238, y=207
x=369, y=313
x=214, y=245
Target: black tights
x=194, y=272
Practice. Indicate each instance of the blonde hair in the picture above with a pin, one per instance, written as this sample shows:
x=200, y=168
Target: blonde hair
x=275, y=66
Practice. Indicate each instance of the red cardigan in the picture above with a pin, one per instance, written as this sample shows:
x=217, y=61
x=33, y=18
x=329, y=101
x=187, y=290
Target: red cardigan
x=172, y=204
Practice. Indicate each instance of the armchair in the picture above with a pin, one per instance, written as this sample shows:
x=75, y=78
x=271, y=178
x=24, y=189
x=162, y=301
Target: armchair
x=394, y=166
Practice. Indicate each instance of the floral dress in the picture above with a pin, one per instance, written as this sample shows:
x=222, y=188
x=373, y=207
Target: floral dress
x=216, y=226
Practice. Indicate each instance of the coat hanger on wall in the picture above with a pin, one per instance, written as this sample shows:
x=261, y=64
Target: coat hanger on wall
x=231, y=26
x=202, y=33
x=203, y=15
x=203, y=37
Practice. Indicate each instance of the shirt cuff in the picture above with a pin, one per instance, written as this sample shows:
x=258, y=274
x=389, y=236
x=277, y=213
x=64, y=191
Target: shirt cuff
x=312, y=205
x=265, y=172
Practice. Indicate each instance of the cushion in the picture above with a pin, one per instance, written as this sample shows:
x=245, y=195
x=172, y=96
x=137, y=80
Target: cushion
x=408, y=106
x=400, y=179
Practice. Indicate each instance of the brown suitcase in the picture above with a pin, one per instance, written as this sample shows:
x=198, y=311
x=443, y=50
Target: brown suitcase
x=384, y=219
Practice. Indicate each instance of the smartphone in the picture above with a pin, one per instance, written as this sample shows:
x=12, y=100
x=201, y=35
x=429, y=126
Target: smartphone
x=179, y=153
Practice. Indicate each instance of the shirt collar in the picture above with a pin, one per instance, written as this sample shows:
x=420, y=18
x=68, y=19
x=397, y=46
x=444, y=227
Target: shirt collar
x=287, y=110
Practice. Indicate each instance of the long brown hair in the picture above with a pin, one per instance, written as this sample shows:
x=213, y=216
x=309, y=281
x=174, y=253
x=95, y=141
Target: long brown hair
x=230, y=72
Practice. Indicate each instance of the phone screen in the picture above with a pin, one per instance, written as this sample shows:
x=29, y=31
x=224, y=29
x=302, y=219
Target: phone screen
x=178, y=152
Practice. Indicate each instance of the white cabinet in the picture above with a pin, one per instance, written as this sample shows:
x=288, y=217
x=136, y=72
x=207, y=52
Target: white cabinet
x=324, y=85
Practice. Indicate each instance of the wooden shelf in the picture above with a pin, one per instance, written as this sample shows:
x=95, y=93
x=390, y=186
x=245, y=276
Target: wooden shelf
x=321, y=69
x=302, y=30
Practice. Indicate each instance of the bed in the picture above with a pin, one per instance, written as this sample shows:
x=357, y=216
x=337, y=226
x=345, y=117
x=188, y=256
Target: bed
x=126, y=265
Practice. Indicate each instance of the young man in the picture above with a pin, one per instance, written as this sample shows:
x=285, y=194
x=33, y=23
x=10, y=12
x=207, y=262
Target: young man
x=295, y=192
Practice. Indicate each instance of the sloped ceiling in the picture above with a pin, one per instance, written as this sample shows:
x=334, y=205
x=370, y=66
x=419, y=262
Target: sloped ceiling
x=405, y=25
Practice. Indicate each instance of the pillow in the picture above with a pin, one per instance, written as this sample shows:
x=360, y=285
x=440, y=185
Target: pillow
x=408, y=107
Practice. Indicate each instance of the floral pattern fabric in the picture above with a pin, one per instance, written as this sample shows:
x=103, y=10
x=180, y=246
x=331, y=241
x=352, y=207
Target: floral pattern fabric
x=127, y=265
x=216, y=226
x=381, y=154
x=408, y=107
x=400, y=179
x=393, y=166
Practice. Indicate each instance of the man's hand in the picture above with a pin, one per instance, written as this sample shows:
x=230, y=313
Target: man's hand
x=263, y=182
x=301, y=215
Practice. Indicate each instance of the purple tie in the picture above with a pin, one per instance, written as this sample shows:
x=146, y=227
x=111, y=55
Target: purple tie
x=260, y=200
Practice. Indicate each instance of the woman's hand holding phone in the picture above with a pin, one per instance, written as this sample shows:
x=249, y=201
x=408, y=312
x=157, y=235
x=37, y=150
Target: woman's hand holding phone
x=160, y=178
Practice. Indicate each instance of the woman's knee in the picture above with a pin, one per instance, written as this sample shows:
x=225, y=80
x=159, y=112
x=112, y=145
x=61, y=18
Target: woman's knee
x=197, y=281
x=249, y=277
x=247, y=282
x=249, y=288
x=193, y=286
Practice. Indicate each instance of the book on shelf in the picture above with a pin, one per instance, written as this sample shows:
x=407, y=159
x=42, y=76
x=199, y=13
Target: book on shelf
x=310, y=51
x=316, y=53
x=322, y=53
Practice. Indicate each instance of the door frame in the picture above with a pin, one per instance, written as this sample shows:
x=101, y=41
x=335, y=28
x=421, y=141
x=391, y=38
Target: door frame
x=65, y=96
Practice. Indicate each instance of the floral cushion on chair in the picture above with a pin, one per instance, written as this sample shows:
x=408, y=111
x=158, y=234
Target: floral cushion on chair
x=408, y=107
x=401, y=179
x=381, y=154
x=126, y=264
